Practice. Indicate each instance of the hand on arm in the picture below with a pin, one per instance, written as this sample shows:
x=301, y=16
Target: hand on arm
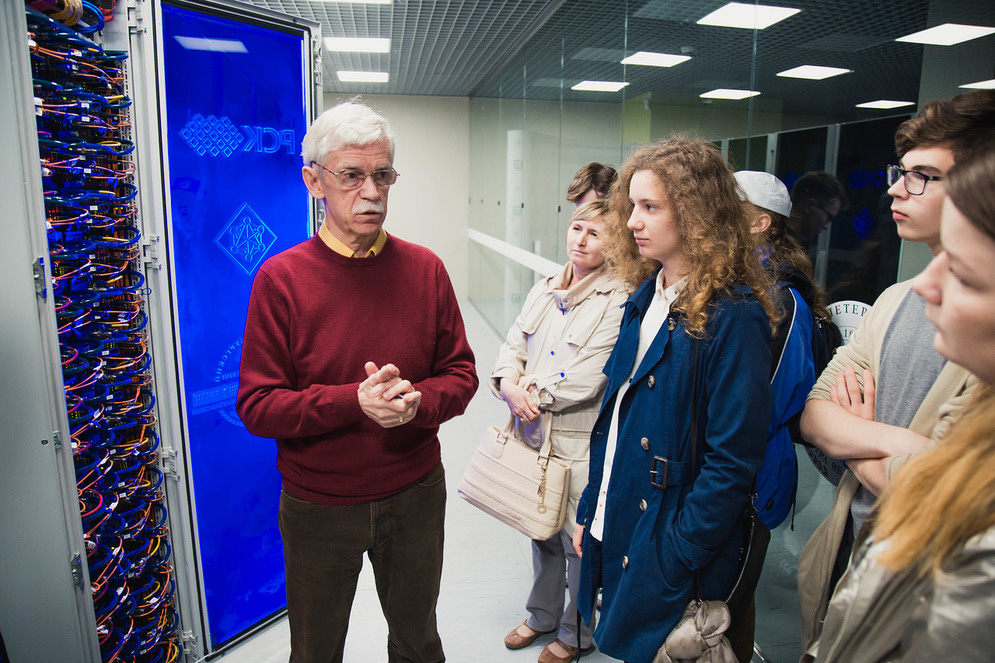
x=386, y=398
x=848, y=395
x=520, y=401
x=872, y=471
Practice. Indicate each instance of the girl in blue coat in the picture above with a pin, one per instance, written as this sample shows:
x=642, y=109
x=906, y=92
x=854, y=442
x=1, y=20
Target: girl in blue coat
x=648, y=522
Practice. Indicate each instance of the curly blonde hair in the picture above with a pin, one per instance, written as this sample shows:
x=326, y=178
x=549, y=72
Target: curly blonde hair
x=713, y=225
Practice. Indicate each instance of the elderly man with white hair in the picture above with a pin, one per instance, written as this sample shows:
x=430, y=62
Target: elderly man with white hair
x=354, y=354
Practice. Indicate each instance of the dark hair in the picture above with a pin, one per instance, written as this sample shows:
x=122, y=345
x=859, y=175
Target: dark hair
x=784, y=249
x=712, y=222
x=961, y=125
x=971, y=188
x=817, y=184
x=594, y=175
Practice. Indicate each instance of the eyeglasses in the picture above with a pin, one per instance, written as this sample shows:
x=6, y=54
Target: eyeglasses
x=350, y=178
x=915, y=182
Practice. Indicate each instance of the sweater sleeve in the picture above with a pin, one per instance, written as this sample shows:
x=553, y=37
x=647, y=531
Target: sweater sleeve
x=268, y=402
x=454, y=374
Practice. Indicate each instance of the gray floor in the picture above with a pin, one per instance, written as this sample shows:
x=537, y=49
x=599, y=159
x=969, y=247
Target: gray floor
x=488, y=568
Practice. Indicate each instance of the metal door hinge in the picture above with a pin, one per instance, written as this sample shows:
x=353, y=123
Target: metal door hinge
x=168, y=462
x=38, y=268
x=76, y=568
x=135, y=25
x=150, y=251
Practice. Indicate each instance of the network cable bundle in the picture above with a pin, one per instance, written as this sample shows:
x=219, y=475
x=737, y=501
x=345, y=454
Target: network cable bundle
x=82, y=114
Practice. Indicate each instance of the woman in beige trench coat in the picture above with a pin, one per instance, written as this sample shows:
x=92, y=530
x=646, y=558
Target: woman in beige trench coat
x=550, y=367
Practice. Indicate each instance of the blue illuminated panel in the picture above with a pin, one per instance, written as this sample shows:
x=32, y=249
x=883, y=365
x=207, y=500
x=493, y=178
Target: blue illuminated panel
x=236, y=109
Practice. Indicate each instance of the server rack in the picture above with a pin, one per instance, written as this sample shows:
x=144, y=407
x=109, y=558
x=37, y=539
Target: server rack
x=53, y=562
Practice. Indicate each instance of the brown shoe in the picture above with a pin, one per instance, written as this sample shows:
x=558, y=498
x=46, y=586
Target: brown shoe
x=558, y=651
x=522, y=636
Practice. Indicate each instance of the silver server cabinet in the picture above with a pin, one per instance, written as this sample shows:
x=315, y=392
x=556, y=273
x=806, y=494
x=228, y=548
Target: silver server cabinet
x=149, y=166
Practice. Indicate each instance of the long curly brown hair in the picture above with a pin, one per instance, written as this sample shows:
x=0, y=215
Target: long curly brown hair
x=713, y=225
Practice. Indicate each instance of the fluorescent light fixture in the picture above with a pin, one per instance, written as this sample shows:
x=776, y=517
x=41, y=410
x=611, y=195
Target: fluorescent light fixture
x=885, y=104
x=363, y=76
x=981, y=85
x=216, y=45
x=948, y=34
x=358, y=2
x=358, y=44
x=742, y=15
x=725, y=93
x=655, y=59
x=813, y=72
x=599, y=86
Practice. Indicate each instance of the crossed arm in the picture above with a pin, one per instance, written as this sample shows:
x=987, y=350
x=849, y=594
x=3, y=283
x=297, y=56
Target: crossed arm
x=844, y=427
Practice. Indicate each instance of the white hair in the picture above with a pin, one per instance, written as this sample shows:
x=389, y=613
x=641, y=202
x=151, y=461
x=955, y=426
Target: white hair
x=348, y=123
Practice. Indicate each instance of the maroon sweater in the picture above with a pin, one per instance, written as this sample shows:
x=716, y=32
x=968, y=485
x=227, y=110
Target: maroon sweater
x=315, y=318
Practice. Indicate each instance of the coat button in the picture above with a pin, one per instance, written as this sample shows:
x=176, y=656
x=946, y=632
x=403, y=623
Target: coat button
x=642, y=505
x=645, y=443
x=625, y=562
x=671, y=324
x=651, y=381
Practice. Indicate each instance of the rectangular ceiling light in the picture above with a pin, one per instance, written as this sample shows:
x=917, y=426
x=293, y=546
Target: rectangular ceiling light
x=981, y=85
x=813, y=72
x=742, y=15
x=358, y=2
x=725, y=93
x=216, y=45
x=948, y=34
x=363, y=76
x=885, y=104
x=655, y=59
x=599, y=86
x=358, y=44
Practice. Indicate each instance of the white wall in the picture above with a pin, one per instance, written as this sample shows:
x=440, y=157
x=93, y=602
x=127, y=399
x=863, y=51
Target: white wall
x=428, y=204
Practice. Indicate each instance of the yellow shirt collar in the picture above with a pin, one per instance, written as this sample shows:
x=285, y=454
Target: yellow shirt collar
x=335, y=244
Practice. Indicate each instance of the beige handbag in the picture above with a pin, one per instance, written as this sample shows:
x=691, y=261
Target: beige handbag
x=516, y=484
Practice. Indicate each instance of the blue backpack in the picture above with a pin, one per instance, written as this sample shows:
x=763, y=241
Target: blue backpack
x=800, y=349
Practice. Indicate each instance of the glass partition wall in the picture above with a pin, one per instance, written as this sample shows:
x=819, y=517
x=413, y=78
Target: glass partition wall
x=822, y=87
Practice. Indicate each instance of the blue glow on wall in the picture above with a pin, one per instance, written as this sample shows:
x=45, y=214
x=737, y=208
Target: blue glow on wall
x=236, y=113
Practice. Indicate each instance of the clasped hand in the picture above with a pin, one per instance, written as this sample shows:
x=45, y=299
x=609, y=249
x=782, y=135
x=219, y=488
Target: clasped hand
x=520, y=401
x=386, y=398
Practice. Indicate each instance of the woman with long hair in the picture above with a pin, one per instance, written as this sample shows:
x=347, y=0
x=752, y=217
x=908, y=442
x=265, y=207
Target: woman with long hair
x=802, y=344
x=549, y=372
x=921, y=581
x=694, y=345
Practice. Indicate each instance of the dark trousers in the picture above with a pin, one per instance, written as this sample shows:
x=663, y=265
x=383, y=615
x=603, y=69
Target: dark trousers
x=323, y=549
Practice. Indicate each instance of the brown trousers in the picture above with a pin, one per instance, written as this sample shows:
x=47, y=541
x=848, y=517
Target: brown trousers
x=323, y=551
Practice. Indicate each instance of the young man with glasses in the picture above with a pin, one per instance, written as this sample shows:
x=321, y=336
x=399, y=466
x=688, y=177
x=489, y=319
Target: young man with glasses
x=354, y=354
x=888, y=393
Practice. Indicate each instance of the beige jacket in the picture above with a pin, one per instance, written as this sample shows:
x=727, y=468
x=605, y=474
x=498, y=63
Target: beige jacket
x=943, y=405
x=560, y=343
x=877, y=616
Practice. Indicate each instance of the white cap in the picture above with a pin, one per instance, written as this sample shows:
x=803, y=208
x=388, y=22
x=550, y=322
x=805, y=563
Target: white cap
x=764, y=190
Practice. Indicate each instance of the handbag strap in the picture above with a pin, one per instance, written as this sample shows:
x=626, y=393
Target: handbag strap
x=546, y=450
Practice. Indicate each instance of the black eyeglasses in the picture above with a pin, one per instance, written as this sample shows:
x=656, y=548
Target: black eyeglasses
x=351, y=178
x=915, y=182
